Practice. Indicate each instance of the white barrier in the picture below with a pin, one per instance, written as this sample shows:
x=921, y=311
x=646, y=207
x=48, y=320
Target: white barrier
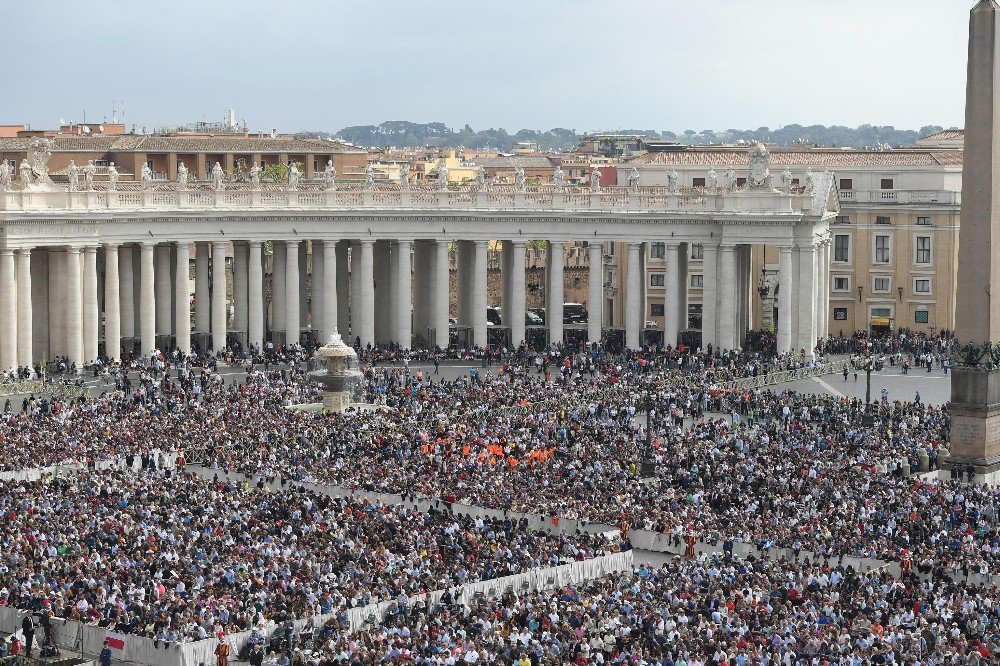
x=163, y=461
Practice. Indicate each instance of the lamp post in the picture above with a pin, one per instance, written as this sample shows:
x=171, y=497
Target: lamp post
x=867, y=363
x=763, y=290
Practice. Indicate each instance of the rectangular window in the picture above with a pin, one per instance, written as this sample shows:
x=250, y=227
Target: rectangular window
x=923, y=250
x=840, y=314
x=656, y=309
x=887, y=184
x=694, y=315
x=883, y=219
x=881, y=285
x=921, y=317
x=698, y=182
x=656, y=280
x=841, y=283
x=740, y=182
x=657, y=250
x=881, y=249
x=922, y=286
x=697, y=251
x=697, y=281
x=843, y=219
x=846, y=183
x=842, y=248
x=924, y=221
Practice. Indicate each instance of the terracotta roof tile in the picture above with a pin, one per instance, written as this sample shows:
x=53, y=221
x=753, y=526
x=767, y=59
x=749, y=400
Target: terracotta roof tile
x=184, y=144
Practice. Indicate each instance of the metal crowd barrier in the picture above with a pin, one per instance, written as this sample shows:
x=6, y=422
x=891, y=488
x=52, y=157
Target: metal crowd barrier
x=783, y=376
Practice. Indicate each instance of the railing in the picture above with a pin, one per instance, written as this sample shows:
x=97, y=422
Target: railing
x=943, y=197
x=782, y=376
x=157, y=195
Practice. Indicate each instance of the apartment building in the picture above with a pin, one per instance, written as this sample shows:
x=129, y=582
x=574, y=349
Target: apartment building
x=894, y=248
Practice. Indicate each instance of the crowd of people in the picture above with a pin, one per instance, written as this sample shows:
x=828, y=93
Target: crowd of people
x=177, y=557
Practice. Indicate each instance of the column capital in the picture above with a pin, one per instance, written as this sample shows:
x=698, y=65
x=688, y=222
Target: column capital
x=147, y=245
x=481, y=243
x=256, y=243
x=785, y=249
x=23, y=251
x=519, y=243
x=7, y=251
x=727, y=247
x=90, y=249
x=219, y=244
x=112, y=245
x=74, y=249
x=329, y=243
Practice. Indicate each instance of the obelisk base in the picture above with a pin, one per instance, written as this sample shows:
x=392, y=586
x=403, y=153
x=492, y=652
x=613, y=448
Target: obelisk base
x=975, y=419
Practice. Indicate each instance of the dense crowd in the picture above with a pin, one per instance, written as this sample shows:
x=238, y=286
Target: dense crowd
x=694, y=612
x=177, y=557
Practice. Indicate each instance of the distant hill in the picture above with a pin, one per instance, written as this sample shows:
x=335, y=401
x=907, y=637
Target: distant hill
x=401, y=133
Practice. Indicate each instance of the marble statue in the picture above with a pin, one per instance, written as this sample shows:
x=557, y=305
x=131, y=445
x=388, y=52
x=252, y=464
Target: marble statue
x=672, y=182
x=293, y=176
x=146, y=176
x=595, y=180
x=730, y=180
x=218, y=178
x=369, y=177
x=329, y=175
x=182, y=176
x=404, y=177
x=255, y=176
x=5, y=174
x=519, y=179
x=88, y=175
x=760, y=171
x=480, y=178
x=713, y=180
x=73, y=172
x=810, y=181
x=39, y=152
x=112, y=178
x=633, y=180
x=559, y=178
x=443, y=176
x=786, y=181
x=26, y=176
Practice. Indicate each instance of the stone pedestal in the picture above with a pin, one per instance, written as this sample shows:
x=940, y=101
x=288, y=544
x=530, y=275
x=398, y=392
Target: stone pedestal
x=975, y=419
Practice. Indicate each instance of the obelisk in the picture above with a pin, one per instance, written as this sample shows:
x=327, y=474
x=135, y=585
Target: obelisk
x=975, y=379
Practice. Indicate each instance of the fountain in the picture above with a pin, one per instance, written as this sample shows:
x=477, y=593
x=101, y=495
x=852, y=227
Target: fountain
x=339, y=377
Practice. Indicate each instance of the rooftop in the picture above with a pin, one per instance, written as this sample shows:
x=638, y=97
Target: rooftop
x=182, y=144
x=816, y=157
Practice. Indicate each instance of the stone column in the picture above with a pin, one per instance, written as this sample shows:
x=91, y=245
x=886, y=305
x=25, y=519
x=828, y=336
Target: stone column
x=517, y=294
x=555, y=297
x=74, y=306
x=8, y=309
x=343, y=309
x=90, y=311
x=506, y=267
x=709, y=296
x=785, y=278
x=480, y=324
x=303, y=284
x=240, y=294
x=147, y=300
x=402, y=293
x=278, y=263
x=161, y=260
x=202, y=298
x=329, y=287
x=727, y=297
x=824, y=290
x=126, y=287
x=441, y=295
x=465, y=260
x=633, y=297
x=318, y=287
x=112, y=304
x=595, y=295
x=219, y=288
x=255, y=296
x=683, y=284
x=807, y=301
x=383, y=291
x=25, y=339
x=423, y=269
x=670, y=295
x=182, y=298
x=364, y=309
x=292, y=292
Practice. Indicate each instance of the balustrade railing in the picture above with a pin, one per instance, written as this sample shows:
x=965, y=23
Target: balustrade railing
x=157, y=194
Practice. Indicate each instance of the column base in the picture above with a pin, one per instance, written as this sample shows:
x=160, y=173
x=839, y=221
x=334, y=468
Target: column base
x=975, y=419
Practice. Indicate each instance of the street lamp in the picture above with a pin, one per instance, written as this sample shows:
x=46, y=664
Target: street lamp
x=861, y=288
x=867, y=363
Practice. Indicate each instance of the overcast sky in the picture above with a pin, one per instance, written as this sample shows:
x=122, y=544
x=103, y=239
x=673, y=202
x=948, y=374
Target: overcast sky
x=579, y=64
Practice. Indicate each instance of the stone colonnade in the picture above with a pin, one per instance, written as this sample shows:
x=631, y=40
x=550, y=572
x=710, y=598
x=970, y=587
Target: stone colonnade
x=66, y=300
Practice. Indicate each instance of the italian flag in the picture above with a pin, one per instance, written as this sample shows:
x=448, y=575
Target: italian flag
x=115, y=641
